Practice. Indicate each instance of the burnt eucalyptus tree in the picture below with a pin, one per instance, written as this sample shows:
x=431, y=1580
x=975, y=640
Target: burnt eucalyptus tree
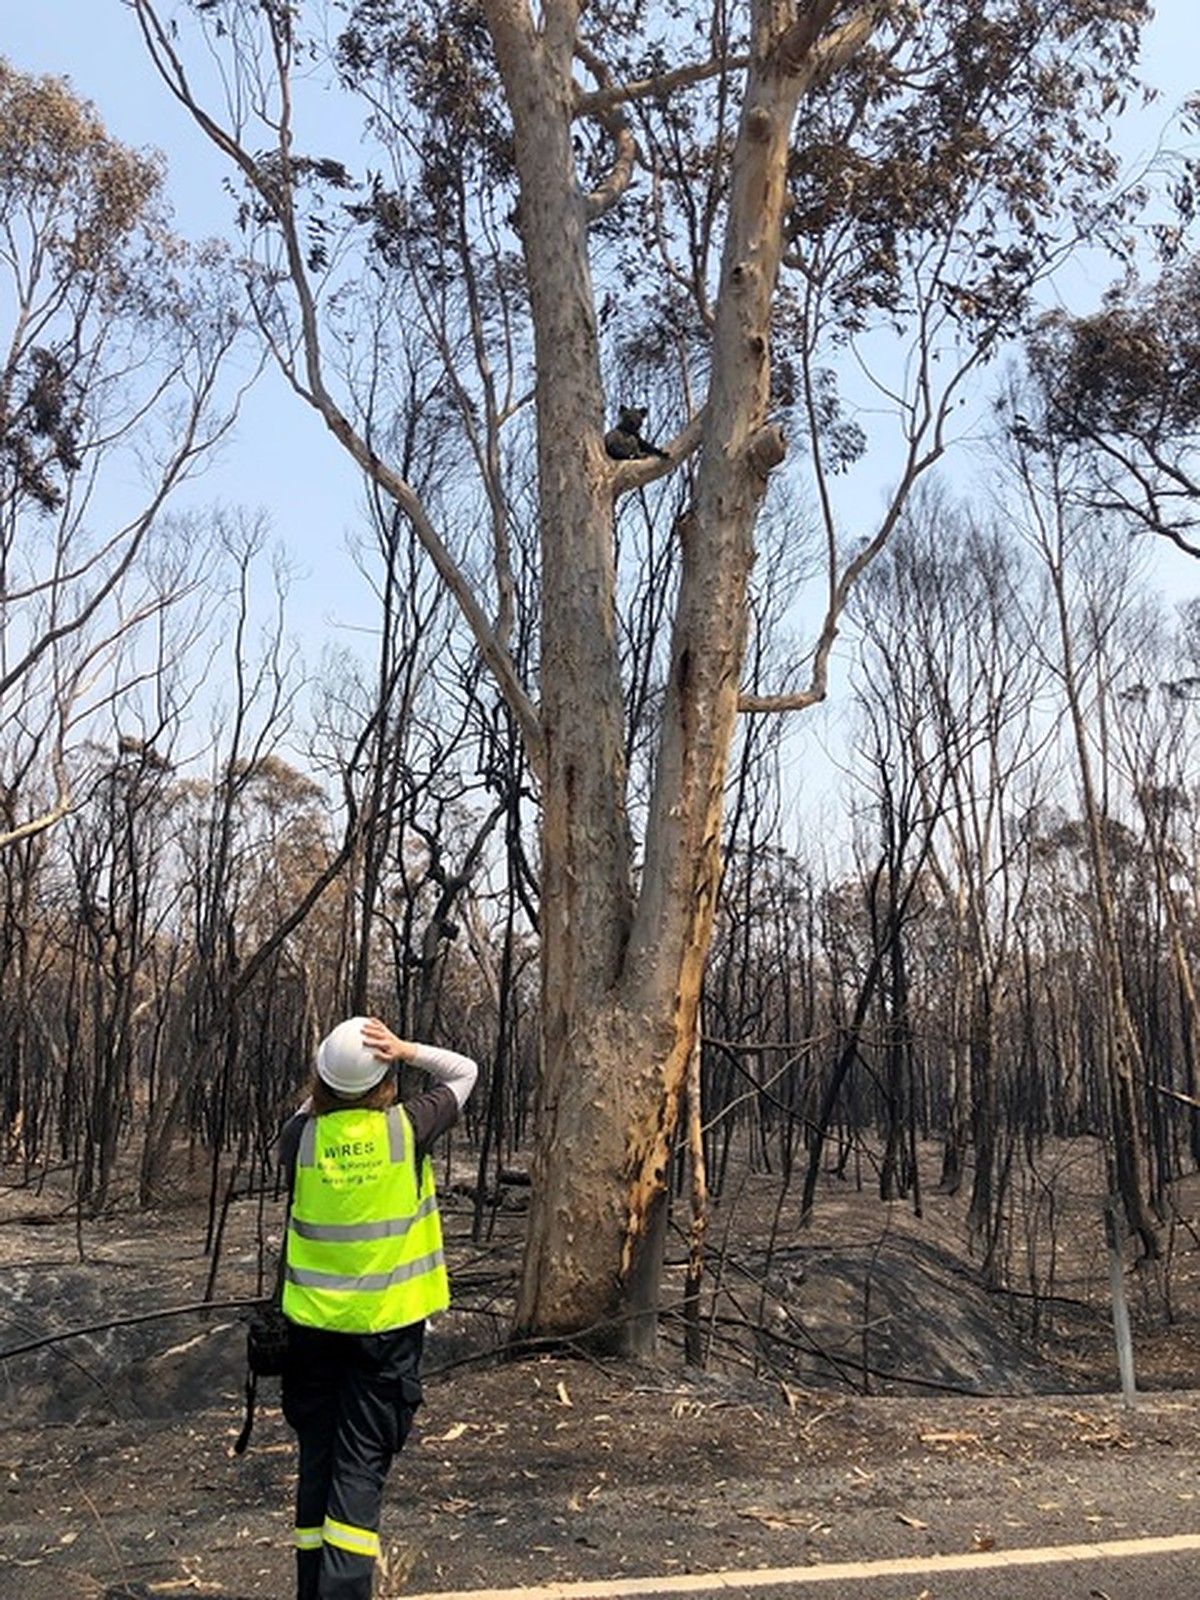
x=115, y=338
x=1089, y=582
x=949, y=647
x=1154, y=726
x=741, y=188
x=1121, y=389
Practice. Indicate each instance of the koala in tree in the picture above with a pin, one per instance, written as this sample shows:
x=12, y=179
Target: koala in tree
x=625, y=442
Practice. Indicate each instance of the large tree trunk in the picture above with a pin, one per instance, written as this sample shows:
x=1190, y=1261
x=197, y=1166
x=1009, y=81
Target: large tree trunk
x=586, y=890
x=621, y=977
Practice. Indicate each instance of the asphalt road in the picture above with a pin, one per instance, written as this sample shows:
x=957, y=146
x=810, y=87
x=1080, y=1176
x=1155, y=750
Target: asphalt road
x=1137, y=1569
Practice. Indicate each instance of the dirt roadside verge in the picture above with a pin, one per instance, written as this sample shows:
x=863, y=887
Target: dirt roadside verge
x=548, y=1469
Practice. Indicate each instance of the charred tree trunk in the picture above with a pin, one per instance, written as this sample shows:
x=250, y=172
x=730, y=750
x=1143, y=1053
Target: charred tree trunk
x=1123, y=1063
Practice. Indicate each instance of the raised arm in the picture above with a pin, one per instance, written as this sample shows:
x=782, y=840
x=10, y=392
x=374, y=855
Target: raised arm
x=448, y=1068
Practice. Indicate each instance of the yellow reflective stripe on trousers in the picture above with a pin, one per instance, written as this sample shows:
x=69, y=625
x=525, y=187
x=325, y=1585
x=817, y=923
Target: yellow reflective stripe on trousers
x=308, y=1538
x=359, y=1541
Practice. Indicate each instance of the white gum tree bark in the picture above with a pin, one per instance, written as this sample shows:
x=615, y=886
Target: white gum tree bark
x=622, y=966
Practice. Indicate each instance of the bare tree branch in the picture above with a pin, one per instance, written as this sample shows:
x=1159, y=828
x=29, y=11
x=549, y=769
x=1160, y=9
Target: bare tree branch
x=279, y=199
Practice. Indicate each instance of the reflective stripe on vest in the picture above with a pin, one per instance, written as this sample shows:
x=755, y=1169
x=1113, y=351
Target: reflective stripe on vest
x=392, y=1228
x=364, y=1243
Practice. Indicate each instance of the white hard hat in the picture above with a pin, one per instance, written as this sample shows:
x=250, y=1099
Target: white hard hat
x=345, y=1063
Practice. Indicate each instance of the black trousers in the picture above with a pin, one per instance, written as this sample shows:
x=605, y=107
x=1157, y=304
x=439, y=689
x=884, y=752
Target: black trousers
x=351, y=1398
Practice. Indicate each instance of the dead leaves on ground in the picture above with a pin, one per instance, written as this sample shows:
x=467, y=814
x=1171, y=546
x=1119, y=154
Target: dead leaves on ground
x=457, y=1506
x=485, y=1432
x=455, y=1431
x=578, y=1501
x=1098, y=1433
x=782, y=1521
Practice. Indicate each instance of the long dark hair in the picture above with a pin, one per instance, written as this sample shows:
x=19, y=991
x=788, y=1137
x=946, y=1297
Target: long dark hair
x=378, y=1098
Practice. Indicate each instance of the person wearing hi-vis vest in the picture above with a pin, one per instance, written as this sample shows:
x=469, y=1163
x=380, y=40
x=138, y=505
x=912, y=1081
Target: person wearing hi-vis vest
x=363, y=1269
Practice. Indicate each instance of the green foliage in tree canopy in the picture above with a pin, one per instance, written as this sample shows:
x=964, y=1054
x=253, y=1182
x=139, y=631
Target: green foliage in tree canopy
x=1120, y=390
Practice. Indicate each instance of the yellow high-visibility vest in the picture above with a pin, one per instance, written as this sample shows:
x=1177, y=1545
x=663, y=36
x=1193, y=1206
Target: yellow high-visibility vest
x=364, y=1239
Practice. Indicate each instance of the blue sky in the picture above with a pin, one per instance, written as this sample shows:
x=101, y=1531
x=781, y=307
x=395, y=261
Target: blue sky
x=282, y=460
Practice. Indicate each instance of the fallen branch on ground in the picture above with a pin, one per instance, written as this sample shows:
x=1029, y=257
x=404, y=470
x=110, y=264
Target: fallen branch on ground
x=127, y=1322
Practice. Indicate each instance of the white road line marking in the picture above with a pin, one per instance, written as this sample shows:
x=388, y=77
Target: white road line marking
x=762, y=1577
